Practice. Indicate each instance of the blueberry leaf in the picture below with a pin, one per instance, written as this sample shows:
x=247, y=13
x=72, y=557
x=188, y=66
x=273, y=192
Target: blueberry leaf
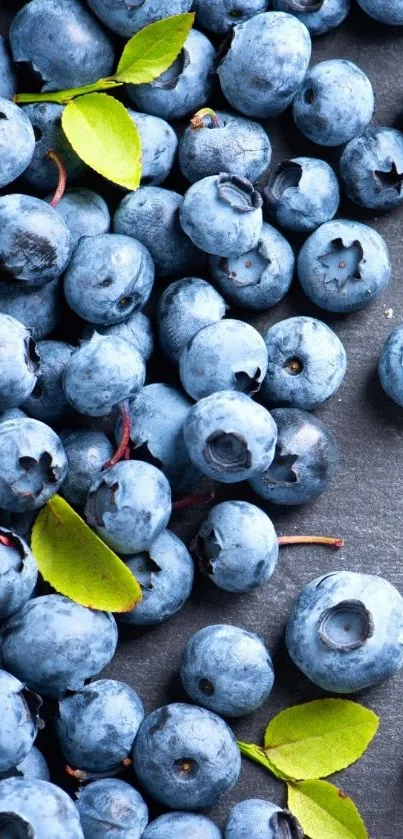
x=153, y=49
x=101, y=132
x=323, y=810
x=258, y=755
x=318, y=738
x=73, y=559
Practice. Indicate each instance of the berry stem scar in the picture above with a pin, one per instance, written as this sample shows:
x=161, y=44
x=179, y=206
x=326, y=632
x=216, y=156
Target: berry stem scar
x=197, y=121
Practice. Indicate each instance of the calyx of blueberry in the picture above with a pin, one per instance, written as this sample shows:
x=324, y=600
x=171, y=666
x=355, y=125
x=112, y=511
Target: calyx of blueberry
x=389, y=179
x=13, y=825
x=179, y=66
x=286, y=826
x=346, y=626
x=281, y=470
x=238, y=192
x=246, y=383
x=287, y=176
x=227, y=451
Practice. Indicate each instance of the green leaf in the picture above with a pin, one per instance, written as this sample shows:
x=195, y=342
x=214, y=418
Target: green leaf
x=324, y=811
x=153, y=49
x=101, y=132
x=257, y=754
x=313, y=740
x=73, y=559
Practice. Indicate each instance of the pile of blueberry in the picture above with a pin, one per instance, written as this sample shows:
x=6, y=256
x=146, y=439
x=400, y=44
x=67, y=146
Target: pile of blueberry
x=77, y=416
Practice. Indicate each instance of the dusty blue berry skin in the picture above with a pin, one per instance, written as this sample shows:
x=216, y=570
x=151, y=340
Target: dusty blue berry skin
x=390, y=366
x=236, y=145
x=8, y=82
x=17, y=142
x=158, y=147
x=34, y=766
x=18, y=363
x=220, y=16
x=33, y=464
x=125, y=17
x=47, y=401
x=265, y=64
x=36, y=806
x=96, y=726
x=34, y=240
x=137, y=330
x=345, y=631
x=256, y=818
x=226, y=355
x=237, y=546
x=319, y=16
x=84, y=212
x=19, y=721
x=111, y=809
x=391, y=12
x=101, y=374
x=304, y=193
x=371, y=168
x=307, y=363
x=334, y=103
x=165, y=573
x=129, y=506
x=344, y=265
x=63, y=43
x=186, y=757
x=151, y=215
x=222, y=215
x=185, y=307
x=39, y=309
x=229, y=437
x=182, y=826
x=260, y=278
x=304, y=463
x=54, y=645
x=184, y=87
x=108, y=278
x=46, y=120
x=11, y=414
x=227, y=669
x=18, y=573
x=87, y=452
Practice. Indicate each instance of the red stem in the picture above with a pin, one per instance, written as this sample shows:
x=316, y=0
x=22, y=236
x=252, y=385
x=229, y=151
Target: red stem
x=123, y=450
x=331, y=541
x=7, y=541
x=82, y=776
x=192, y=500
x=60, y=189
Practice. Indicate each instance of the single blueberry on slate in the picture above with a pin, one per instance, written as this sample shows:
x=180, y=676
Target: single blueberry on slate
x=36, y=808
x=39, y=309
x=129, y=505
x=184, y=87
x=229, y=437
x=345, y=631
x=227, y=669
x=17, y=142
x=186, y=757
x=260, y=278
x=42, y=173
x=371, y=168
x=63, y=43
x=226, y=355
x=390, y=366
x=228, y=143
x=265, y=64
x=151, y=215
x=222, y=215
x=19, y=721
x=33, y=464
x=304, y=463
x=335, y=102
x=54, y=645
x=390, y=12
x=47, y=401
x=236, y=546
x=256, y=818
x=220, y=16
x=165, y=573
x=125, y=17
x=137, y=330
x=303, y=193
x=182, y=826
x=112, y=808
x=307, y=363
x=19, y=363
x=185, y=307
x=319, y=16
x=18, y=573
x=84, y=212
x=344, y=265
x=158, y=147
x=33, y=767
x=87, y=452
x=8, y=82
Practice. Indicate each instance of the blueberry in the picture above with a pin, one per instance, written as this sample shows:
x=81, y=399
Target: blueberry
x=344, y=632
x=391, y=12
x=186, y=757
x=19, y=363
x=39, y=309
x=42, y=173
x=17, y=142
x=87, y=452
x=184, y=87
x=19, y=721
x=151, y=215
x=335, y=102
x=102, y=373
x=344, y=265
x=33, y=464
x=229, y=437
x=371, y=168
x=84, y=212
x=182, y=826
x=226, y=355
x=34, y=240
x=111, y=808
x=54, y=645
x=222, y=215
x=32, y=808
x=319, y=16
x=64, y=44
x=185, y=307
x=390, y=366
x=137, y=330
x=237, y=546
x=255, y=818
x=227, y=669
x=125, y=17
x=34, y=766
x=97, y=725
x=227, y=143
x=165, y=573
x=265, y=64
x=18, y=573
x=8, y=82
x=47, y=401
x=129, y=505
x=303, y=193
x=304, y=463
x=307, y=363
x=158, y=147
x=260, y=278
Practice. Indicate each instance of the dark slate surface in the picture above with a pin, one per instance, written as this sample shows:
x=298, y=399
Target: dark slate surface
x=364, y=504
